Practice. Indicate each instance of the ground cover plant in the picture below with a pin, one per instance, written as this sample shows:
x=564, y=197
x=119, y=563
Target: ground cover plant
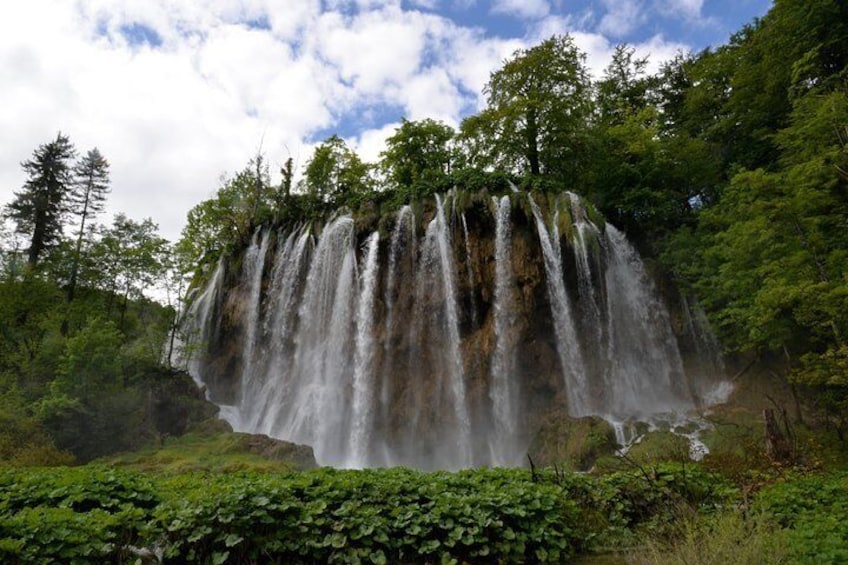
x=101, y=514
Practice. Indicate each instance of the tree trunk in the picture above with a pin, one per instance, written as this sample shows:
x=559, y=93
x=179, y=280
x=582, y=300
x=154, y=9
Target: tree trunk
x=37, y=243
x=532, y=140
x=124, y=304
x=777, y=448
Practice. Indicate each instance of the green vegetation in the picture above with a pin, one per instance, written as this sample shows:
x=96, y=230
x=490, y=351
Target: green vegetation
x=574, y=444
x=795, y=520
x=334, y=516
x=99, y=389
x=729, y=537
x=81, y=345
x=668, y=513
x=211, y=447
x=729, y=168
x=813, y=509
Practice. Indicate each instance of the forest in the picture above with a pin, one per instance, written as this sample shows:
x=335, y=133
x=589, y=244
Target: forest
x=728, y=169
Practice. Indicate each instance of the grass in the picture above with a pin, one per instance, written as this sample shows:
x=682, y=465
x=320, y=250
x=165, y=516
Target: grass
x=729, y=537
x=224, y=452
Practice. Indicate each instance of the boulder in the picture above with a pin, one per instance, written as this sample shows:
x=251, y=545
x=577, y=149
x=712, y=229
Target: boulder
x=572, y=443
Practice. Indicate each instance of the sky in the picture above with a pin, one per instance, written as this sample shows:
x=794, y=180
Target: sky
x=177, y=93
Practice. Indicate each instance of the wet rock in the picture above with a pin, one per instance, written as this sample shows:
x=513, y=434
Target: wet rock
x=573, y=443
x=300, y=456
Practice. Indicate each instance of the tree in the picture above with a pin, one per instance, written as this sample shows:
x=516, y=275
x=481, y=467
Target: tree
x=178, y=270
x=775, y=250
x=91, y=185
x=623, y=91
x=538, y=106
x=335, y=171
x=645, y=180
x=769, y=252
x=39, y=209
x=241, y=203
x=283, y=193
x=797, y=47
x=131, y=256
x=11, y=245
x=418, y=152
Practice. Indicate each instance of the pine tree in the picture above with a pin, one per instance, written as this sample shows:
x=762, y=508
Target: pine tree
x=40, y=207
x=86, y=199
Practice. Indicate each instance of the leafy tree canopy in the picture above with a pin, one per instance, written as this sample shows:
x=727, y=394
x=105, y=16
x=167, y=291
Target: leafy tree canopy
x=538, y=108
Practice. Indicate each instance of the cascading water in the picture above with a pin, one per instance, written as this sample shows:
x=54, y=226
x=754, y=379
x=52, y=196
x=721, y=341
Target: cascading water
x=568, y=347
x=352, y=344
x=645, y=372
x=264, y=407
x=253, y=267
x=504, y=382
x=586, y=240
x=363, y=367
x=201, y=322
x=315, y=410
x=436, y=281
x=402, y=253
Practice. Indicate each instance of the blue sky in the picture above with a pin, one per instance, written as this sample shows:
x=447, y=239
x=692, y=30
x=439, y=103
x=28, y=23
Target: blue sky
x=176, y=93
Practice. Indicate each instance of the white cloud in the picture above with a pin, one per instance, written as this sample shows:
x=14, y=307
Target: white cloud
x=370, y=143
x=525, y=9
x=599, y=48
x=432, y=94
x=230, y=75
x=289, y=20
x=472, y=58
x=658, y=50
x=426, y=4
x=170, y=121
x=622, y=17
x=374, y=50
x=683, y=9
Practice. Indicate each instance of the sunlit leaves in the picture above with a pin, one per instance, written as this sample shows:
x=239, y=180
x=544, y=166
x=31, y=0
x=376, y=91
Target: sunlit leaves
x=538, y=106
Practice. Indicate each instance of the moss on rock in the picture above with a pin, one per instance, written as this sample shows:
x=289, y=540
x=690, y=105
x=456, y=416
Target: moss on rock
x=573, y=443
x=658, y=446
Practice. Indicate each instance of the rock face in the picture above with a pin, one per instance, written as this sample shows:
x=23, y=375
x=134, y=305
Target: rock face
x=572, y=443
x=175, y=404
x=300, y=456
x=442, y=341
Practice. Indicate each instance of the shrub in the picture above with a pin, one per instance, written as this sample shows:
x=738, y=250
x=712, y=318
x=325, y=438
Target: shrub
x=814, y=508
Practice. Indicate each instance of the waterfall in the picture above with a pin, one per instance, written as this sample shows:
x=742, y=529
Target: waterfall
x=316, y=410
x=404, y=230
x=436, y=278
x=199, y=323
x=402, y=246
x=353, y=344
x=363, y=378
x=645, y=368
x=711, y=386
x=568, y=347
x=287, y=278
x=504, y=381
x=253, y=269
x=586, y=235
